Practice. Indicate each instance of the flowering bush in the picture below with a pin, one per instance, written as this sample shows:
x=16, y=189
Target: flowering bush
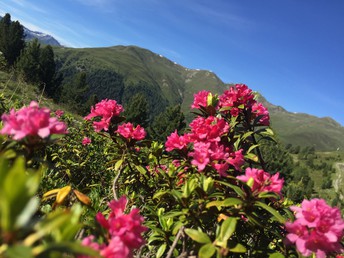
x=206, y=192
x=31, y=121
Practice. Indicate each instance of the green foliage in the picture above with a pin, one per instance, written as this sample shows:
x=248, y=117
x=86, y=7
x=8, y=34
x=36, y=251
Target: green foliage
x=29, y=62
x=11, y=39
x=137, y=110
x=34, y=237
x=74, y=94
x=37, y=65
x=166, y=122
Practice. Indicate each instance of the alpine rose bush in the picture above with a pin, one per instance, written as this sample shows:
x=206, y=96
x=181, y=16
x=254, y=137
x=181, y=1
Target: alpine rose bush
x=318, y=229
x=31, y=121
x=106, y=109
x=124, y=231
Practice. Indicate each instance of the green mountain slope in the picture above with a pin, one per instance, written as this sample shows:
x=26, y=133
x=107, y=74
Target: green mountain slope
x=120, y=71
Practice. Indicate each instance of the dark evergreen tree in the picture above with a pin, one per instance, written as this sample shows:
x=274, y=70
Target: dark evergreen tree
x=277, y=159
x=47, y=69
x=166, y=123
x=74, y=93
x=11, y=39
x=136, y=110
x=28, y=64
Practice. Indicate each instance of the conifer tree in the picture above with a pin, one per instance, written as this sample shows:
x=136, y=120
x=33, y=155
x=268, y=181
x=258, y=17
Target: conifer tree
x=136, y=110
x=167, y=122
x=11, y=39
x=74, y=93
x=28, y=64
x=47, y=69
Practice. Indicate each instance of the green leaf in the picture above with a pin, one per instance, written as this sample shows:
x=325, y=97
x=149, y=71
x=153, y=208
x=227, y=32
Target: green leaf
x=198, y=236
x=236, y=189
x=19, y=251
x=271, y=210
x=206, y=251
x=118, y=164
x=267, y=195
x=231, y=201
x=276, y=255
x=252, y=157
x=28, y=211
x=188, y=187
x=159, y=194
x=227, y=229
x=207, y=184
x=69, y=247
x=238, y=248
x=218, y=204
x=161, y=250
x=141, y=169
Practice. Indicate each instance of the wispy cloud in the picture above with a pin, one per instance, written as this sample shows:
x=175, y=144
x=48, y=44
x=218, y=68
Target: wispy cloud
x=29, y=5
x=102, y=5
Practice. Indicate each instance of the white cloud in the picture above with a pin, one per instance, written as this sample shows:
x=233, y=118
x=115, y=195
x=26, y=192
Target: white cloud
x=28, y=5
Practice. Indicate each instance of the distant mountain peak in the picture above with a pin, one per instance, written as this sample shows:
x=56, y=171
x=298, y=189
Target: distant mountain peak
x=42, y=37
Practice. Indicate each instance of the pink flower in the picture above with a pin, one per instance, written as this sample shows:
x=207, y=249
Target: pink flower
x=262, y=181
x=116, y=249
x=86, y=141
x=128, y=131
x=59, y=113
x=236, y=97
x=174, y=141
x=31, y=121
x=259, y=110
x=106, y=109
x=89, y=241
x=124, y=231
x=200, y=155
x=200, y=99
x=208, y=129
x=318, y=228
x=236, y=159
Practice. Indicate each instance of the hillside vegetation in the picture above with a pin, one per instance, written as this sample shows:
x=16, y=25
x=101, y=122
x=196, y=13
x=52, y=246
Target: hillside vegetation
x=119, y=71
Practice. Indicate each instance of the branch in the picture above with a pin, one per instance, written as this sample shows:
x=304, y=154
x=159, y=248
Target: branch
x=180, y=233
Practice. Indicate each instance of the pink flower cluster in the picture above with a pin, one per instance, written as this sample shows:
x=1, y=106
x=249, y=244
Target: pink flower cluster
x=262, y=181
x=86, y=141
x=200, y=99
x=59, y=113
x=124, y=231
x=208, y=149
x=318, y=229
x=106, y=109
x=31, y=121
x=240, y=98
x=128, y=131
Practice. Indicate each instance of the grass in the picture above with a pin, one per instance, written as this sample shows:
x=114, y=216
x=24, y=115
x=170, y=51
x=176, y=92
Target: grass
x=333, y=159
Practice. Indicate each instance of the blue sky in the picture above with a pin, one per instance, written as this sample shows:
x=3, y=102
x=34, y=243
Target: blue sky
x=291, y=51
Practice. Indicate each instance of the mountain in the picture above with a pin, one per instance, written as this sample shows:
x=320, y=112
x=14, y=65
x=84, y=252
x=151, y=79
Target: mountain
x=120, y=71
x=42, y=37
x=305, y=130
